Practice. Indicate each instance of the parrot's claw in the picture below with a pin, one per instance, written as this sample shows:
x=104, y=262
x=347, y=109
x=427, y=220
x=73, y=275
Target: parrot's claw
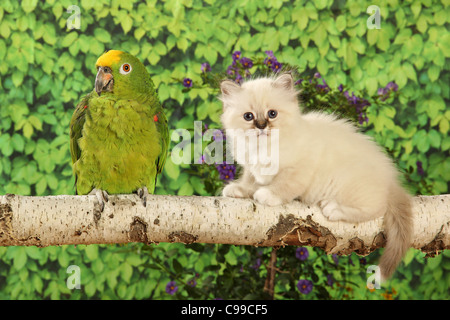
x=143, y=194
x=102, y=197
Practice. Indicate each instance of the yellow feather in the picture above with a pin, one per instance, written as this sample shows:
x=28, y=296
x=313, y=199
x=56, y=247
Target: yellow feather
x=108, y=58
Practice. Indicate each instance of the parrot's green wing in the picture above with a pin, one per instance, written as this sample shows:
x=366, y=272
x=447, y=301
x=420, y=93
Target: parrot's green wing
x=162, y=127
x=76, y=128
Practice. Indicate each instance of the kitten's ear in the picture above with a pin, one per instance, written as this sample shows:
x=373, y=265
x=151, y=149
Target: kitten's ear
x=228, y=87
x=285, y=81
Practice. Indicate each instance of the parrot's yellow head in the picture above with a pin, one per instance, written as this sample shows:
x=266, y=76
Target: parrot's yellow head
x=108, y=58
x=122, y=75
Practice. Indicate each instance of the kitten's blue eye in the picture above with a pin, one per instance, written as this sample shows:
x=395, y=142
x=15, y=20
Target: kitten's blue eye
x=248, y=116
x=272, y=114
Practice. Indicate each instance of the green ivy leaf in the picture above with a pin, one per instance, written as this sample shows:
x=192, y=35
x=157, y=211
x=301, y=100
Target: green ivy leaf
x=444, y=126
x=433, y=73
x=435, y=138
x=29, y=5
x=126, y=271
x=102, y=35
x=126, y=23
x=341, y=22
x=20, y=258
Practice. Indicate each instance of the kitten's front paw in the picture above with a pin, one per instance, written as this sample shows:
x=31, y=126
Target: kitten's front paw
x=267, y=197
x=331, y=210
x=233, y=190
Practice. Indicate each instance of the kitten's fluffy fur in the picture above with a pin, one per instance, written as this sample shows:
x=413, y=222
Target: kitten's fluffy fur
x=322, y=160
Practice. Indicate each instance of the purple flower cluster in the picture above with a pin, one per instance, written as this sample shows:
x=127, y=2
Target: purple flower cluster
x=272, y=62
x=305, y=286
x=226, y=171
x=359, y=104
x=302, y=253
x=239, y=62
x=323, y=87
x=384, y=92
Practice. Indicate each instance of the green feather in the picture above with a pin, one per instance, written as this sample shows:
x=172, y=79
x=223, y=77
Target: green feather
x=115, y=142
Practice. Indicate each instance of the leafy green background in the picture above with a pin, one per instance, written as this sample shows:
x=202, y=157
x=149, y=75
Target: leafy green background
x=46, y=68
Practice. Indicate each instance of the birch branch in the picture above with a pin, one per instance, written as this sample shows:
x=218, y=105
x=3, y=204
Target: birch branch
x=66, y=219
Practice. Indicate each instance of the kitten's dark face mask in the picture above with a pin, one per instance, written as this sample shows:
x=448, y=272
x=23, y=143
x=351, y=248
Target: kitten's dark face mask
x=261, y=121
x=261, y=124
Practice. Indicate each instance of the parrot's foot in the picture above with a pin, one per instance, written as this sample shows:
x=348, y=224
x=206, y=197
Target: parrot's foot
x=143, y=194
x=102, y=197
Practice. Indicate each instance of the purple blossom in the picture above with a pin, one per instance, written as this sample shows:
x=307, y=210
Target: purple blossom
x=420, y=170
x=205, y=67
x=231, y=70
x=192, y=282
x=270, y=61
x=340, y=88
x=276, y=66
x=302, y=253
x=362, y=117
x=305, y=286
x=226, y=171
x=218, y=135
x=392, y=86
x=257, y=264
x=171, y=287
x=270, y=54
x=187, y=82
x=359, y=104
x=323, y=86
x=238, y=78
x=298, y=82
x=330, y=280
x=335, y=258
x=201, y=160
x=236, y=55
x=382, y=91
x=353, y=99
x=316, y=75
x=247, y=63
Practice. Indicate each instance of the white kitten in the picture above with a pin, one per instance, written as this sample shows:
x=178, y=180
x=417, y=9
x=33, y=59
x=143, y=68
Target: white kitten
x=321, y=160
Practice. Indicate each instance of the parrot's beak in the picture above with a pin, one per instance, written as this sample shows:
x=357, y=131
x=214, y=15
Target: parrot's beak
x=104, y=80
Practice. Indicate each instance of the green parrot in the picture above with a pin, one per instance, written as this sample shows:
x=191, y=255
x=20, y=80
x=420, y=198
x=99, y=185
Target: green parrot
x=118, y=132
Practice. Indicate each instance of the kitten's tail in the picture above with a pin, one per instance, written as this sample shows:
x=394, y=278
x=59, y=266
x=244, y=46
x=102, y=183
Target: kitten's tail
x=398, y=225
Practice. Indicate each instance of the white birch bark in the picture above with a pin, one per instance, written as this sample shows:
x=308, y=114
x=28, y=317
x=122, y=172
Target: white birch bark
x=66, y=219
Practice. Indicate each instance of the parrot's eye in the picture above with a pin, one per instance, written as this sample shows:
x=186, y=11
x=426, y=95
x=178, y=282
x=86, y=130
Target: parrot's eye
x=125, y=68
